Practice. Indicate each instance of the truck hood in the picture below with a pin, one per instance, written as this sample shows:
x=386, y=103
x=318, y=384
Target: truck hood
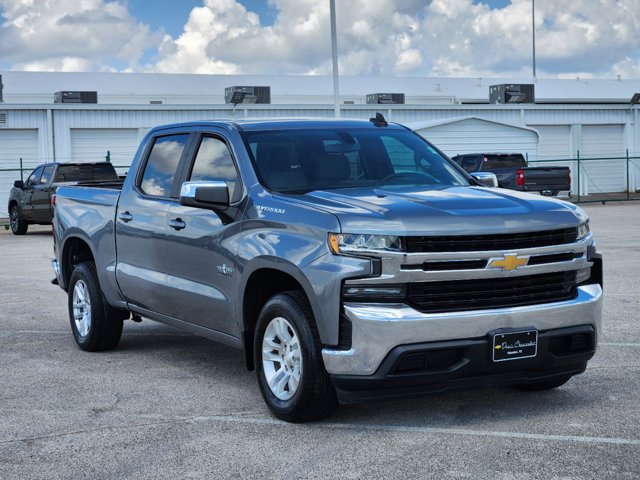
x=452, y=210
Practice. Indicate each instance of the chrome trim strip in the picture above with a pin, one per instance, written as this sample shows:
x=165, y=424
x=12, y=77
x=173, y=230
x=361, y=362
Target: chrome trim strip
x=390, y=276
x=378, y=328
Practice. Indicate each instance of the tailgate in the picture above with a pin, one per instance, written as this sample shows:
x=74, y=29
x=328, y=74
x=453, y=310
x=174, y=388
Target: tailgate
x=547, y=178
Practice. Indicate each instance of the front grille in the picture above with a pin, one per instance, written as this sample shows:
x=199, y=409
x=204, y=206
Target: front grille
x=479, y=243
x=447, y=265
x=553, y=258
x=463, y=295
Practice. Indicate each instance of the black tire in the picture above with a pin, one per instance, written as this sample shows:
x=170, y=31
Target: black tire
x=19, y=225
x=550, y=384
x=101, y=328
x=314, y=397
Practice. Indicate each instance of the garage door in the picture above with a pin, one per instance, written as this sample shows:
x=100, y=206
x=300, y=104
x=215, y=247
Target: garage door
x=479, y=136
x=92, y=145
x=601, y=141
x=554, y=141
x=15, y=144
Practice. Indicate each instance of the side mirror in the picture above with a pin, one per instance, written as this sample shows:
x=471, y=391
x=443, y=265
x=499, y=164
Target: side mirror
x=487, y=179
x=213, y=195
x=18, y=184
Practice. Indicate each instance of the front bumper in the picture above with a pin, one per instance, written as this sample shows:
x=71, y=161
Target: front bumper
x=463, y=364
x=379, y=328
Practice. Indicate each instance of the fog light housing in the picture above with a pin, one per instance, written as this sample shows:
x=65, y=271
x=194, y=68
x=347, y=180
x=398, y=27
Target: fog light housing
x=387, y=293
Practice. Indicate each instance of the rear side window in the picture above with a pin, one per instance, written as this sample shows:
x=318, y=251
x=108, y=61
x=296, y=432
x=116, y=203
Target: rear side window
x=214, y=162
x=46, y=174
x=162, y=164
x=490, y=162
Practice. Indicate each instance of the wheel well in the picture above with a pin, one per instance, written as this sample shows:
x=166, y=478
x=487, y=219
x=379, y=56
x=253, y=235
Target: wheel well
x=261, y=286
x=12, y=203
x=75, y=251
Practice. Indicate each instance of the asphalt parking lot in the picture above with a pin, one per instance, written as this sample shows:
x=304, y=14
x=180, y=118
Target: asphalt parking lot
x=170, y=405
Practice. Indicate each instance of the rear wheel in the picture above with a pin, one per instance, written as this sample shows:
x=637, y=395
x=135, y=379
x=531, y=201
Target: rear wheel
x=95, y=324
x=288, y=360
x=19, y=225
x=544, y=384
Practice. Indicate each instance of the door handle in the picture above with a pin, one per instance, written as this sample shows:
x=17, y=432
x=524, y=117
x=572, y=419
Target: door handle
x=177, y=224
x=125, y=216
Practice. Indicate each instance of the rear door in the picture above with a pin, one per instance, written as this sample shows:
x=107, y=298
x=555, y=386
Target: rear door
x=204, y=269
x=145, y=260
x=41, y=196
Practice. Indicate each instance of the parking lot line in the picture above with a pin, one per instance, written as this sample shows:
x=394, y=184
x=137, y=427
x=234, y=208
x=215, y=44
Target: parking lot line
x=237, y=419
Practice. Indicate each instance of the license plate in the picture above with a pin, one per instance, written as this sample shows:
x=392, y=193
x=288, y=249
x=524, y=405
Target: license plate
x=515, y=345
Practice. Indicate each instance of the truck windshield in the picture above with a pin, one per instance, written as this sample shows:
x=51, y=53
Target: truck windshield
x=320, y=159
x=75, y=172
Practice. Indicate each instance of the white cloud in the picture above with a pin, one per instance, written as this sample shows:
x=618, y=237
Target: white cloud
x=71, y=35
x=394, y=37
x=571, y=37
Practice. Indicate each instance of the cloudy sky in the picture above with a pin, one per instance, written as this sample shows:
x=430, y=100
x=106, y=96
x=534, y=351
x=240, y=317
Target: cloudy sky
x=586, y=38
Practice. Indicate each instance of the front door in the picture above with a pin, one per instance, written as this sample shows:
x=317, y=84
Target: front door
x=204, y=266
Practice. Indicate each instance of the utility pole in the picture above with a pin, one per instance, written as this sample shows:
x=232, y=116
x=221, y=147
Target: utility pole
x=334, y=55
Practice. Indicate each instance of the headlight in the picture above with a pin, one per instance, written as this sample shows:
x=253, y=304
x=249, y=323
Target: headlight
x=583, y=230
x=361, y=243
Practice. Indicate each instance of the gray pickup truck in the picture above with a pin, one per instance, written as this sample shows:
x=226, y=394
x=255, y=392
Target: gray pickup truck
x=349, y=260
x=30, y=201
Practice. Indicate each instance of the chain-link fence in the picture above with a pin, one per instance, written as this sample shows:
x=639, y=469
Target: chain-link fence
x=598, y=179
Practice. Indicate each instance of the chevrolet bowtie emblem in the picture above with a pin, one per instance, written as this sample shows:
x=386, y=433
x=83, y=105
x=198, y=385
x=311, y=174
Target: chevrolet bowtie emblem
x=510, y=261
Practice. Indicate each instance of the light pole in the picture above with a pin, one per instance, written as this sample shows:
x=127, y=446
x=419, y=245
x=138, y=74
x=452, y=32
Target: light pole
x=533, y=30
x=334, y=55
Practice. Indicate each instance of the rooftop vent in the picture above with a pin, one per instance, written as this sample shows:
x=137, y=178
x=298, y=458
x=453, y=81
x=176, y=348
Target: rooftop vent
x=390, y=98
x=512, y=93
x=75, y=97
x=237, y=95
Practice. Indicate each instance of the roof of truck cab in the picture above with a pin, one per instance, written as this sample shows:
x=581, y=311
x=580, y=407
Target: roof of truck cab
x=284, y=124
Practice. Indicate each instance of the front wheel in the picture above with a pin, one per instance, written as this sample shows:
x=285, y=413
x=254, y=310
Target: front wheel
x=288, y=360
x=95, y=324
x=19, y=225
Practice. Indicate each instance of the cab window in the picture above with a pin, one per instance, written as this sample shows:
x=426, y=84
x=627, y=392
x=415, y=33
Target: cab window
x=214, y=162
x=34, y=178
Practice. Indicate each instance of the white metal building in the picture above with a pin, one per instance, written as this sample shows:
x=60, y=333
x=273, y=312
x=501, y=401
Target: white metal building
x=459, y=135
x=591, y=118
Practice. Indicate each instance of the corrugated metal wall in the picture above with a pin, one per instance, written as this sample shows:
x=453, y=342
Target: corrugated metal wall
x=563, y=129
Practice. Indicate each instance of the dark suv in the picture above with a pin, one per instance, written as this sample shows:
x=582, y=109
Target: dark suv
x=30, y=201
